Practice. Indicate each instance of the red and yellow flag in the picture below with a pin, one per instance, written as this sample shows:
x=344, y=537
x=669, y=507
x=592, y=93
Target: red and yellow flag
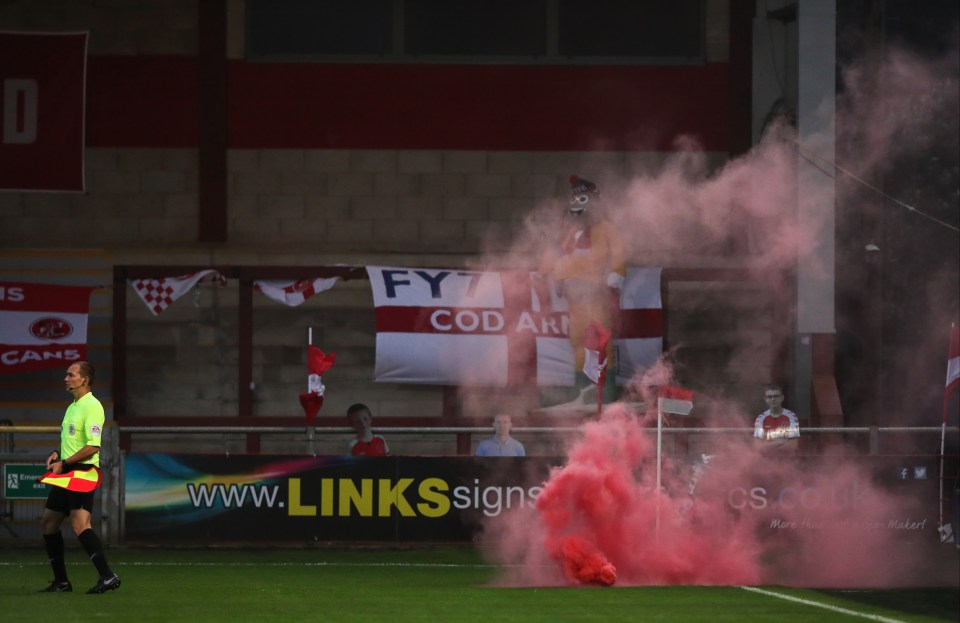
x=79, y=480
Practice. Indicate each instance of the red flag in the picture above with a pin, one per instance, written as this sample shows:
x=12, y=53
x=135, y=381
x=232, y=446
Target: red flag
x=953, y=368
x=317, y=364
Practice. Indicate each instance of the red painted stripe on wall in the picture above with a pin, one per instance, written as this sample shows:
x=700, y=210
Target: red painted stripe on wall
x=152, y=102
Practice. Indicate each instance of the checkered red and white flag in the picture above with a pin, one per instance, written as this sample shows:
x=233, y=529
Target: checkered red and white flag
x=294, y=293
x=159, y=294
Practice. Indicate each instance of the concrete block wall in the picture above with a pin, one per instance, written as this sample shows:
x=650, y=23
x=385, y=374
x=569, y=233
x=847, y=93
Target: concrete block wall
x=308, y=207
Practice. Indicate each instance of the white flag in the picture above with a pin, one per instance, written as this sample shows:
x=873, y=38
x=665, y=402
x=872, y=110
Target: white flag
x=159, y=294
x=294, y=293
x=489, y=328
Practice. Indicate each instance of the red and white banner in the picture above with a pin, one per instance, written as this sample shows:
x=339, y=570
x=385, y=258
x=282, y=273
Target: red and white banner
x=485, y=328
x=43, y=78
x=294, y=293
x=42, y=326
x=159, y=294
x=674, y=400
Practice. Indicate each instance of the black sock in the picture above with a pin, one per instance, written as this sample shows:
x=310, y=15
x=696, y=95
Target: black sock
x=91, y=542
x=54, y=543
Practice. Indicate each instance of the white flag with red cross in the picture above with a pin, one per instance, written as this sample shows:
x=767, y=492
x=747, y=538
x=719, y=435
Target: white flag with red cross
x=294, y=293
x=495, y=328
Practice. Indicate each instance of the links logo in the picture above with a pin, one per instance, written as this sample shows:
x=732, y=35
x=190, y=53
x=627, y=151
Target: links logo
x=366, y=497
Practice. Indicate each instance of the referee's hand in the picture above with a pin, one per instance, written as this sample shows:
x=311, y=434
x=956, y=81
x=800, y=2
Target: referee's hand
x=53, y=458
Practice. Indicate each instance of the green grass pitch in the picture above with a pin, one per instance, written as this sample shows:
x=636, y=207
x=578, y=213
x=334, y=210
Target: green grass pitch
x=399, y=585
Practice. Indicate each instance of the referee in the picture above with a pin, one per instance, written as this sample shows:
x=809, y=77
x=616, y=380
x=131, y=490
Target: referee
x=79, y=450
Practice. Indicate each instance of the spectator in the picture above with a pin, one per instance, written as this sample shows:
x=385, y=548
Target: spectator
x=501, y=443
x=776, y=425
x=365, y=443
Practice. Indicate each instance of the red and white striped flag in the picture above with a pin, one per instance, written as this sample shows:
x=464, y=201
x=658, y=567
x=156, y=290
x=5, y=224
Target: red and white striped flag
x=159, y=294
x=42, y=326
x=294, y=293
x=675, y=400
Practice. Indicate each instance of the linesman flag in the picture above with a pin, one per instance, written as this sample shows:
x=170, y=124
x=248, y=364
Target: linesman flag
x=79, y=480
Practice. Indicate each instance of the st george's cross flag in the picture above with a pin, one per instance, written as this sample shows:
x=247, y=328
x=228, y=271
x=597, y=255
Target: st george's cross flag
x=293, y=293
x=80, y=480
x=42, y=326
x=496, y=328
x=159, y=294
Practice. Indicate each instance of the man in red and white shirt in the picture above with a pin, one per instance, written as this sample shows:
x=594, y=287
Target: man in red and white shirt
x=777, y=425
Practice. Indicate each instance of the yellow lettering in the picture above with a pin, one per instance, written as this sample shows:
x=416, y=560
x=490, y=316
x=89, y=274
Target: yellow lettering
x=435, y=503
x=294, y=507
x=393, y=496
x=326, y=497
x=362, y=500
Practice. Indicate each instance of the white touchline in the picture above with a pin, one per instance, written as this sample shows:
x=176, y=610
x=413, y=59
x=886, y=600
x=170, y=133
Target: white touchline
x=809, y=602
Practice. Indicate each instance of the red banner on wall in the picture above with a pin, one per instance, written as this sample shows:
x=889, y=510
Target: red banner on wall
x=42, y=326
x=42, y=95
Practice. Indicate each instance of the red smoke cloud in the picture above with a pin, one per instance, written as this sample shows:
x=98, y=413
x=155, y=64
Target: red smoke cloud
x=737, y=516
x=744, y=517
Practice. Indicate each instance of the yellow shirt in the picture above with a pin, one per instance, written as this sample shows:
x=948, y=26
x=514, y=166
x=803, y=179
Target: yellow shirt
x=590, y=253
x=82, y=426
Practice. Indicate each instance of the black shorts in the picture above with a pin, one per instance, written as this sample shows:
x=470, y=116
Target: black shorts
x=64, y=501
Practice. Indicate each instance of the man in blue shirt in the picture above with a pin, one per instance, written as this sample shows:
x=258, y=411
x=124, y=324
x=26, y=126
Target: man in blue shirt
x=501, y=444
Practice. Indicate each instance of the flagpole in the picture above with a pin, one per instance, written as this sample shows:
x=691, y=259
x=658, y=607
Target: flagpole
x=659, y=462
x=311, y=431
x=952, y=354
x=943, y=437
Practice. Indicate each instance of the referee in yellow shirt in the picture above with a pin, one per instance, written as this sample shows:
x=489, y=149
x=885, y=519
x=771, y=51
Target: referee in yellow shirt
x=79, y=450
